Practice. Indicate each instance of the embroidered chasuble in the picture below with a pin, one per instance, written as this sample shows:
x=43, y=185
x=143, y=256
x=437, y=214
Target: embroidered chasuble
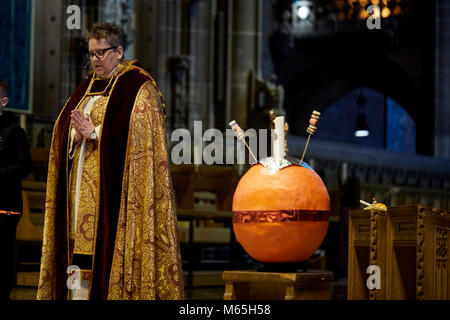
x=109, y=205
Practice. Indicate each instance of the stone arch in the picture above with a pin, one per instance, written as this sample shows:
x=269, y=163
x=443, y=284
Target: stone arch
x=330, y=77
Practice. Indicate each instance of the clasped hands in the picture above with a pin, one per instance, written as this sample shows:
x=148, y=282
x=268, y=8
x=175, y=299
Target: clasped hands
x=83, y=125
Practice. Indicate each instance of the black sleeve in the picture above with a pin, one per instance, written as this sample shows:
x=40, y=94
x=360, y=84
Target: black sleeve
x=19, y=144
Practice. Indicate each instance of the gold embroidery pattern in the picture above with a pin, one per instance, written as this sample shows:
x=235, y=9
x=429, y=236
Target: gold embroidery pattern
x=46, y=287
x=146, y=262
x=86, y=228
x=87, y=208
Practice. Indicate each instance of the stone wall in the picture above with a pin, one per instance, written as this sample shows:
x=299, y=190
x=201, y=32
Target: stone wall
x=442, y=80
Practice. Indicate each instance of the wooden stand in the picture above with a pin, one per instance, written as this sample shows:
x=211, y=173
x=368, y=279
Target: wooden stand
x=367, y=246
x=409, y=244
x=246, y=285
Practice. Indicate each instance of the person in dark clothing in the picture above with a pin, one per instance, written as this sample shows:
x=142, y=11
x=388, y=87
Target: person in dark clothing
x=15, y=163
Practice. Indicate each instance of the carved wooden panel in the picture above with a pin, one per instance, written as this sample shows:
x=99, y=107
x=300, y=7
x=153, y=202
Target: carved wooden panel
x=420, y=266
x=409, y=244
x=404, y=231
x=441, y=265
x=361, y=229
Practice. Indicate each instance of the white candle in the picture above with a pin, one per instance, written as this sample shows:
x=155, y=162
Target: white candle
x=364, y=203
x=278, y=139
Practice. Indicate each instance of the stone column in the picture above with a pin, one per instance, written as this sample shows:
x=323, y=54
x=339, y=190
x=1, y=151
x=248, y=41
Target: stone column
x=47, y=57
x=170, y=51
x=122, y=13
x=201, y=55
x=73, y=48
x=158, y=40
x=442, y=81
x=147, y=27
x=245, y=52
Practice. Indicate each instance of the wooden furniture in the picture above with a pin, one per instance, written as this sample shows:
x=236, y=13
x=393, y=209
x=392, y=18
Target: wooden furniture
x=221, y=180
x=40, y=159
x=203, y=234
x=417, y=249
x=248, y=285
x=207, y=241
x=31, y=225
x=29, y=233
x=366, y=247
x=409, y=244
x=195, y=239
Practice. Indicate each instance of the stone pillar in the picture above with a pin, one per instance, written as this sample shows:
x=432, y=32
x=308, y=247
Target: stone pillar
x=146, y=46
x=442, y=81
x=158, y=40
x=122, y=13
x=245, y=55
x=176, y=44
x=201, y=55
x=169, y=50
x=47, y=57
x=73, y=49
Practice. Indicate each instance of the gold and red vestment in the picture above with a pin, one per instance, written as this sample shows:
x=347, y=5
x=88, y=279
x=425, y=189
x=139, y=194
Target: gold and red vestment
x=124, y=238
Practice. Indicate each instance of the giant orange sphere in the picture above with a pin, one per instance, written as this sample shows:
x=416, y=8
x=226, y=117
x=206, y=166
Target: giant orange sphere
x=281, y=217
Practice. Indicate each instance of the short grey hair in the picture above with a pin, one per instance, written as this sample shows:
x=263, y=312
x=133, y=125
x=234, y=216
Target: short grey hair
x=111, y=32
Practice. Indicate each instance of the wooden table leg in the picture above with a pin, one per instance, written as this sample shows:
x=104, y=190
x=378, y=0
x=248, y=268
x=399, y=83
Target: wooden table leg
x=290, y=289
x=229, y=291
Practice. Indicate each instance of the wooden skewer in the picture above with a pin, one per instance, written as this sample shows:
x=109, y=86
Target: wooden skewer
x=241, y=136
x=311, y=130
x=250, y=150
x=306, y=146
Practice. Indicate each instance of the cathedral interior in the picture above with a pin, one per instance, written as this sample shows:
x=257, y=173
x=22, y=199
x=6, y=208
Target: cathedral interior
x=384, y=72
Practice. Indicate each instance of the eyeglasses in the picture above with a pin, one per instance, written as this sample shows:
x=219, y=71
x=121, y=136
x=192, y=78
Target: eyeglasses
x=99, y=53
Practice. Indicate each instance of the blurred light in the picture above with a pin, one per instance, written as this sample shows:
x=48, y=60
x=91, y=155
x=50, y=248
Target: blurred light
x=363, y=3
x=362, y=129
x=361, y=133
x=375, y=12
x=303, y=12
x=363, y=14
x=385, y=12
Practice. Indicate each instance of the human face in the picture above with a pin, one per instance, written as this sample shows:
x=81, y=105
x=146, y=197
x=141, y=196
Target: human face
x=104, y=66
x=3, y=99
